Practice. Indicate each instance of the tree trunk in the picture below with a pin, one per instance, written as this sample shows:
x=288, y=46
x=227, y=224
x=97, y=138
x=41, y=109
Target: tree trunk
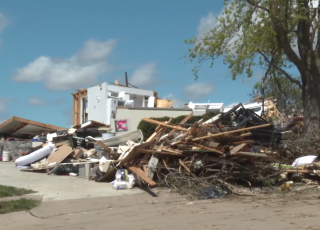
x=311, y=104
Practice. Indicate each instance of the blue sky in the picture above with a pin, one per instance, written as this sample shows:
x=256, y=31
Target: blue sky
x=50, y=48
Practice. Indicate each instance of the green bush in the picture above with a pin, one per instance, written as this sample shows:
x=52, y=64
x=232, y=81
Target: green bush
x=148, y=129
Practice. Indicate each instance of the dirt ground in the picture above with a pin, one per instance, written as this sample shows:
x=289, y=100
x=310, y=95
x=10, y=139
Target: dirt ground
x=167, y=211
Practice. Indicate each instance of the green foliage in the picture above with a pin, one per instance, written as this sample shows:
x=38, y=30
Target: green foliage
x=288, y=96
x=148, y=129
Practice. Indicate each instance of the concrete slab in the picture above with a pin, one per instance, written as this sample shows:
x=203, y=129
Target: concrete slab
x=57, y=187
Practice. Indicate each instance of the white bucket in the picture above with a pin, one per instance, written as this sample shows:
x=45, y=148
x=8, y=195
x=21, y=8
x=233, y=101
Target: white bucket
x=6, y=155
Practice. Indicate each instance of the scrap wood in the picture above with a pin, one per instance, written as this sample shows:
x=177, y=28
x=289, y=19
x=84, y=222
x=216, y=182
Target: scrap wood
x=168, y=149
x=185, y=167
x=208, y=148
x=181, y=123
x=78, y=153
x=163, y=124
x=230, y=132
x=244, y=141
x=153, y=151
x=249, y=154
x=104, y=146
x=133, y=153
x=141, y=174
x=236, y=149
x=159, y=131
x=60, y=154
x=298, y=171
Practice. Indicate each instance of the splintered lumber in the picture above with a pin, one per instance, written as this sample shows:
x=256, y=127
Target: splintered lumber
x=298, y=171
x=134, y=152
x=181, y=123
x=237, y=148
x=141, y=174
x=208, y=148
x=159, y=131
x=104, y=146
x=244, y=141
x=230, y=132
x=163, y=130
x=185, y=167
x=163, y=124
x=168, y=149
x=153, y=151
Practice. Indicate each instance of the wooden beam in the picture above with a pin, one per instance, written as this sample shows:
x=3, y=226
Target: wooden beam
x=208, y=148
x=182, y=122
x=230, y=132
x=20, y=126
x=237, y=148
x=244, y=141
x=141, y=174
x=38, y=124
x=153, y=151
x=163, y=124
x=185, y=167
x=7, y=122
x=104, y=146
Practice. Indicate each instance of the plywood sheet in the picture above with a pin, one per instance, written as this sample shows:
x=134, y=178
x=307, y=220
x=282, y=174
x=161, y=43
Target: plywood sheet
x=60, y=154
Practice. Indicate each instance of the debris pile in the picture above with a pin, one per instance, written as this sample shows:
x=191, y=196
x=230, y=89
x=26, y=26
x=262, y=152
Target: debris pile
x=206, y=157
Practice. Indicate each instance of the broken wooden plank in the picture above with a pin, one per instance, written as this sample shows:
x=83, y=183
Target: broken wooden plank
x=60, y=154
x=163, y=124
x=104, y=146
x=78, y=153
x=158, y=131
x=237, y=148
x=145, y=169
x=181, y=123
x=141, y=174
x=208, y=148
x=230, y=132
x=134, y=153
x=185, y=167
x=244, y=141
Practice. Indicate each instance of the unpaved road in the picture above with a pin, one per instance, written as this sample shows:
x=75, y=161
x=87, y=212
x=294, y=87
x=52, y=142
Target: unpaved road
x=142, y=211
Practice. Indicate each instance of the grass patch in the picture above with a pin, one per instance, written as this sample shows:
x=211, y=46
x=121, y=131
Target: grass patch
x=6, y=191
x=17, y=205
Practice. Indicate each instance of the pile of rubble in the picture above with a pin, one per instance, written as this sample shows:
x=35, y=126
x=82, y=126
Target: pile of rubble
x=237, y=147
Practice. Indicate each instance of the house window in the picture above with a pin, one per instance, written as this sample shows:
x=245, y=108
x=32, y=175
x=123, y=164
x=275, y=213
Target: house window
x=114, y=94
x=84, y=115
x=146, y=101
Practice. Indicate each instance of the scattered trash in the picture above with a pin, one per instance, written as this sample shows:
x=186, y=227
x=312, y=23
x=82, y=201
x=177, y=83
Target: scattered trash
x=210, y=193
x=286, y=185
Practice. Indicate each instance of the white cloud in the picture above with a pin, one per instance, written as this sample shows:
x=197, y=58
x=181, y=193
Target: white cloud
x=36, y=101
x=177, y=103
x=198, y=90
x=82, y=69
x=144, y=75
x=206, y=24
x=4, y=21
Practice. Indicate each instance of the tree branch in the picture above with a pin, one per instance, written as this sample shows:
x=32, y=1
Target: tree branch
x=283, y=40
x=257, y=5
x=287, y=75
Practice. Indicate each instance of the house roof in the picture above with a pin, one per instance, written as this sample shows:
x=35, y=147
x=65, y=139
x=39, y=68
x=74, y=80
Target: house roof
x=20, y=127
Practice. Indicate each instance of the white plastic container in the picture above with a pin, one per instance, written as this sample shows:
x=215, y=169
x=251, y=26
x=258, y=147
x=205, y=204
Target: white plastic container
x=35, y=156
x=6, y=156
